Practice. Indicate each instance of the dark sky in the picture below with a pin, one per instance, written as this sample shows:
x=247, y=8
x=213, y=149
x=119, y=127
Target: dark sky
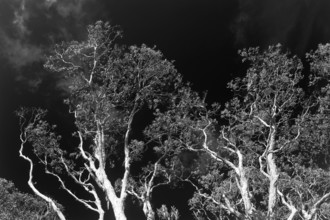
x=202, y=36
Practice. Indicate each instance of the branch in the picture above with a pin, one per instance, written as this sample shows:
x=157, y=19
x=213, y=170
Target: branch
x=214, y=154
x=228, y=207
x=261, y=168
x=91, y=168
x=298, y=133
x=94, y=65
x=126, y=148
x=230, y=143
x=83, y=201
x=87, y=186
x=316, y=206
x=288, y=204
x=151, y=182
x=30, y=182
x=133, y=193
x=262, y=121
x=163, y=183
x=274, y=108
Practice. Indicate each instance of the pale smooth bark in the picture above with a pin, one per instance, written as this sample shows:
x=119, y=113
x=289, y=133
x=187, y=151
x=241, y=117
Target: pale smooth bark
x=99, y=174
x=243, y=185
x=148, y=211
x=86, y=185
x=272, y=172
x=30, y=182
x=241, y=178
x=101, y=178
x=272, y=175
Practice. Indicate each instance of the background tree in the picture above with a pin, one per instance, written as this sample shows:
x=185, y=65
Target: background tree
x=23, y=206
x=266, y=127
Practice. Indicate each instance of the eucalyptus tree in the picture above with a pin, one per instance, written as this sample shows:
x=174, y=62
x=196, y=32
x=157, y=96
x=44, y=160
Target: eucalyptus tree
x=110, y=88
x=264, y=147
x=263, y=155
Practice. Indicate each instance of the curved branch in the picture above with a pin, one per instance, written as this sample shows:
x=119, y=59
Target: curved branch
x=30, y=182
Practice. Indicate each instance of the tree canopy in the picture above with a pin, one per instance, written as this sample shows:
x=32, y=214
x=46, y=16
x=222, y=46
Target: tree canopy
x=23, y=206
x=262, y=155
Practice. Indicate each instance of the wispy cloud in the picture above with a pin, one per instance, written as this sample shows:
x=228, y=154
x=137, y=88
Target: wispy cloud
x=21, y=15
x=18, y=52
x=49, y=3
x=73, y=7
x=29, y=27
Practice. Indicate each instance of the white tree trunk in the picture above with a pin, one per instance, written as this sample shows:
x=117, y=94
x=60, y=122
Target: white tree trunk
x=272, y=191
x=147, y=210
x=273, y=176
x=243, y=185
x=244, y=190
x=100, y=176
x=116, y=203
x=118, y=210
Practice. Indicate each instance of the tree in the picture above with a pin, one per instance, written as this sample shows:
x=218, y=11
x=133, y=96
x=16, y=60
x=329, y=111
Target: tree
x=109, y=87
x=271, y=136
x=263, y=155
x=23, y=206
x=261, y=116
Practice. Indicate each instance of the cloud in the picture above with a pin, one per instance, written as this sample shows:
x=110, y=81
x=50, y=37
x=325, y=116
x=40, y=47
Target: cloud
x=67, y=8
x=28, y=28
x=33, y=25
x=21, y=15
x=49, y=3
x=73, y=7
x=19, y=53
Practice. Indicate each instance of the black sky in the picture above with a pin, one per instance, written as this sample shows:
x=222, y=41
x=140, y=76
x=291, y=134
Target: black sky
x=202, y=36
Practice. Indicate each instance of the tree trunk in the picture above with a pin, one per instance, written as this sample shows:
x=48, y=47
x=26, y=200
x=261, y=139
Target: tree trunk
x=273, y=177
x=118, y=210
x=148, y=211
x=116, y=203
x=101, y=215
x=243, y=185
x=292, y=214
x=244, y=190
